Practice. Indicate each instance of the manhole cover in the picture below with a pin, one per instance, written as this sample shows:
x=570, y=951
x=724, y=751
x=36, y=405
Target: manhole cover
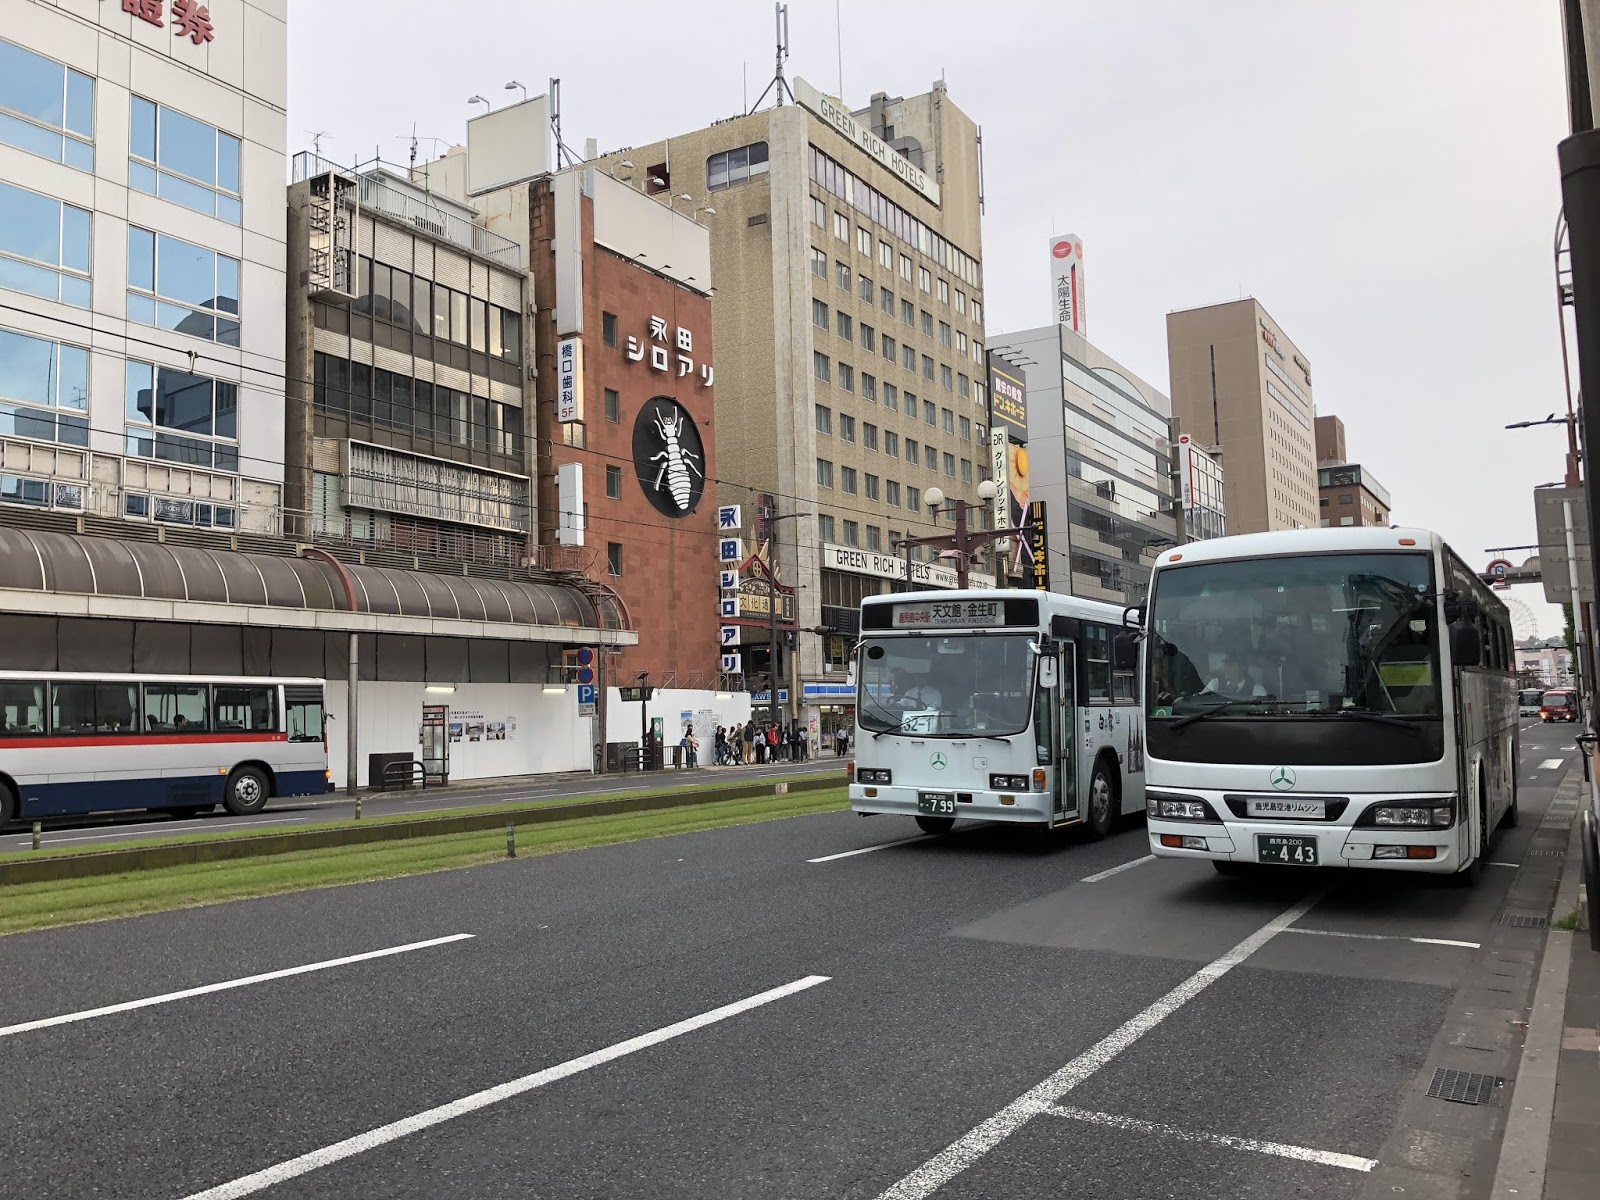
x=1463, y=1087
x=1524, y=920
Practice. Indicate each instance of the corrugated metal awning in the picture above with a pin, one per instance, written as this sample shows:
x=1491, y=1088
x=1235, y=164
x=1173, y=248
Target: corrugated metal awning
x=43, y=561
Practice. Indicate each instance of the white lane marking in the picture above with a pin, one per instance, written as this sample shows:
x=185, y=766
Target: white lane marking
x=867, y=849
x=1549, y=764
x=1502, y=864
x=292, y=1168
x=1327, y=1158
x=971, y=1146
x=1569, y=747
x=1387, y=937
x=1127, y=866
x=227, y=985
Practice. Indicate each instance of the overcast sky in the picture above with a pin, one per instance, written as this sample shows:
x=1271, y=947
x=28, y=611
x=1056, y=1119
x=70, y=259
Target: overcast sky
x=1380, y=174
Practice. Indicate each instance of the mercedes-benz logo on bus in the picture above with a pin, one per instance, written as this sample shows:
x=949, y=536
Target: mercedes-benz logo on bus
x=938, y=761
x=1282, y=779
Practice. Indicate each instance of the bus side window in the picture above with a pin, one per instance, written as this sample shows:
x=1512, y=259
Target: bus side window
x=21, y=708
x=1094, y=647
x=251, y=709
x=177, y=707
x=303, y=718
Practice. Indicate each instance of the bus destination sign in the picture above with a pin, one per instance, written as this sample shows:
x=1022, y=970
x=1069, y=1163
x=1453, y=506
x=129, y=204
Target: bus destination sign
x=941, y=614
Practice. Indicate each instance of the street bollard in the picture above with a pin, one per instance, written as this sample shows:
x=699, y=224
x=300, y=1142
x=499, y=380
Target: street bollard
x=511, y=841
x=780, y=789
x=358, y=806
x=37, y=829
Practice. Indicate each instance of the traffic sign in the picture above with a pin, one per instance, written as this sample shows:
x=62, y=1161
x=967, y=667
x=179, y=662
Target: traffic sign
x=586, y=676
x=586, y=656
x=586, y=700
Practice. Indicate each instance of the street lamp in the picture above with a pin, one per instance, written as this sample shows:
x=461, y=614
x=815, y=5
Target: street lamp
x=514, y=85
x=478, y=100
x=963, y=541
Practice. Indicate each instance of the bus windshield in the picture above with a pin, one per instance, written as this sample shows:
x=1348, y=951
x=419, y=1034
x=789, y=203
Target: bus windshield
x=1295, y=634
x=958, y=686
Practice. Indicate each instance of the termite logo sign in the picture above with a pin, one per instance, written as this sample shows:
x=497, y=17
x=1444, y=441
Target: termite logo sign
x=669, y=457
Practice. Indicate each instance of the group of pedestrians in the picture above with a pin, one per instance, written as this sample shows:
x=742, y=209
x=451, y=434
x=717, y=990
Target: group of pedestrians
x=755, y=742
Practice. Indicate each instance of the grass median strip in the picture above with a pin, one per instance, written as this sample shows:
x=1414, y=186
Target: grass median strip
x=377, y=811
x=43, y=905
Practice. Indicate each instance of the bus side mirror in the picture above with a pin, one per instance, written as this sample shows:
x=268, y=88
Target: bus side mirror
x=1133, y=617
x=1124, y=652
x=1047, y=672
x=1466, y=646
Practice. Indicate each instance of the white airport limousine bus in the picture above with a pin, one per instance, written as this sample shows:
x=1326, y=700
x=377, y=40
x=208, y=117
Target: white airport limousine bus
x=995, y=705
x=1328, y=697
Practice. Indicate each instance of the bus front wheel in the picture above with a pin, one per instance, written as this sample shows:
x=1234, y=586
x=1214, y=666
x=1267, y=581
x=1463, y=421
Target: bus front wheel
x=936, y=824
x=8, y=805
x=246, y=792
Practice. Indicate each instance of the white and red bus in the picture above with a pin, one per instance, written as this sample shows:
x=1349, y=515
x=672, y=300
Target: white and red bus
x=74, y=743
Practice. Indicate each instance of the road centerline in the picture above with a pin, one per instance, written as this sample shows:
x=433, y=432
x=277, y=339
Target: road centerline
x=226, y=985
x=304, y=1164
x=1327, y=1158
x=968, y=1149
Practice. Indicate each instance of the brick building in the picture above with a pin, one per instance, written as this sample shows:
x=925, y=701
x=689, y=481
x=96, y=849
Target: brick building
x=648, y=516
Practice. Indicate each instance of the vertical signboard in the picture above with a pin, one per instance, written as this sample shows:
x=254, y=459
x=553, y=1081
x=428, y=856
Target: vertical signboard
x=1039, y=545
x=1008, y=450
x=1066, y=281
x=569, y=380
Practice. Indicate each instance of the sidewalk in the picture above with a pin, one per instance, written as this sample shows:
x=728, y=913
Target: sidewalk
x=1572, y=1171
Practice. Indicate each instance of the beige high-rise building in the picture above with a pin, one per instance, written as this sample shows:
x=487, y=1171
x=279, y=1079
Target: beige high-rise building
x=848, y=326
x=1238, y=382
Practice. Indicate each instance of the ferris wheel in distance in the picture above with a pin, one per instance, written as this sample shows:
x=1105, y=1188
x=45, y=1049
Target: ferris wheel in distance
x=1524, y=625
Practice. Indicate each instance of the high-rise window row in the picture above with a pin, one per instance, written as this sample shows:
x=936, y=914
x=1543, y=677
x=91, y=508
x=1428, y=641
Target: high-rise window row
x=46, y=108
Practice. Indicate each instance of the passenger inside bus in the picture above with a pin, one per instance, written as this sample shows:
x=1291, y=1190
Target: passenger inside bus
x=1233, y=678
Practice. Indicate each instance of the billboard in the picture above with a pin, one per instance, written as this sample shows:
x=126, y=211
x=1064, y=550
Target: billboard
x=1008, y=398
x=508, y=145
x=1039, y=545
x=1066, y=281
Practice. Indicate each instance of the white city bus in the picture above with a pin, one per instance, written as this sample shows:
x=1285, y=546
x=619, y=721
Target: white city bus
x=998, y=706
x=74, y=743
x=1328, y=697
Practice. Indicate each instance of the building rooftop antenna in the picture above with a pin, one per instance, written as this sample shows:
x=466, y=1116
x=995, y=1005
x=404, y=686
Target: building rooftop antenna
x=316, y=140
x=781, y=22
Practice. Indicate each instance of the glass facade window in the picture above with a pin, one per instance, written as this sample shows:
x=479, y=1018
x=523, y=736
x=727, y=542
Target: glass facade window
x=358, y=393
x=847, y=377
x=886, y=300
x=847, y=480
x=874, y=538
x=46, y=108
x=824, y=473
x=950, y=464
x=927, y=367
x=733, y=167
x=398, y=298
x=846, y=326
x=891, y=397
x=177, y=417
x=913, y=451
x=891, y=492
x=178, y=158
x=869, y=436
x=869, y=337
x=947, y=420
x=824, y=528
x=821, y=369
x=908, y=357
x=819, y=315
x=908, y=313
x=847, y=428
x=44, y=389
x=842, y=275
x=869, y=387
x=44, y=247
x=173, y=284
x=819, y=263
x=824, y=419
x=841, y=227
x=864, y=286
x=891, y=443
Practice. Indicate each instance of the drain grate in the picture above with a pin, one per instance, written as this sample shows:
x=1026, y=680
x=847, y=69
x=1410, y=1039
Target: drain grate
x=1524, y=920
x=1463, y=1087
x=1546, y=853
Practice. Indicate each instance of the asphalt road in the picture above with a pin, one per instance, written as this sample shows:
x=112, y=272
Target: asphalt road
x=720, y=1014
x=107, y=829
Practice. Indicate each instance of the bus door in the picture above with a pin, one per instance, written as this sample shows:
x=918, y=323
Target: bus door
x=1064, y=732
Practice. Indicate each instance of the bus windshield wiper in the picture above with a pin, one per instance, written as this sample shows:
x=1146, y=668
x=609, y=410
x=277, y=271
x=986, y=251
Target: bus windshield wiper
x=1367, y=714
x=1211, y=712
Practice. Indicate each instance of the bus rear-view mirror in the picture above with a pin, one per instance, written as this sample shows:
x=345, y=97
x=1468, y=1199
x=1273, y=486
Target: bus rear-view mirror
x=1047, y=672
x=1466, y=646
x=1124, y=652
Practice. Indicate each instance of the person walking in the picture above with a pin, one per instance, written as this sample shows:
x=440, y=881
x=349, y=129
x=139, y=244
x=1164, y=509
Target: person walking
x=841, y=741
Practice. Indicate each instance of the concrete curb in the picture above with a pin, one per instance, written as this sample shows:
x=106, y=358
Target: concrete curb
x=1525, y=1147
x=117, y=862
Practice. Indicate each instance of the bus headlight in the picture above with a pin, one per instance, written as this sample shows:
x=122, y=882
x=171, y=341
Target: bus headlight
x=1413, y=816
x=873, y=775
x=1009, y=783
x=1178, y=808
